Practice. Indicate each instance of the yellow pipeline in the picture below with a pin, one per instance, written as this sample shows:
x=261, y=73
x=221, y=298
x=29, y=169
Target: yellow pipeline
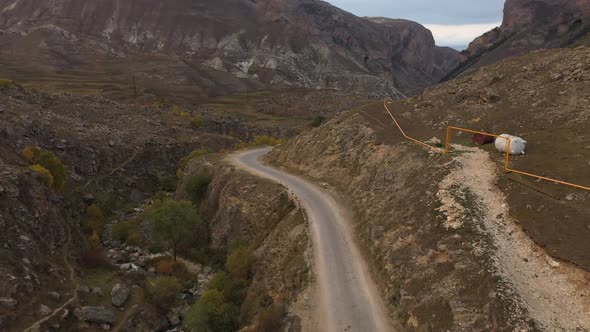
x=507, y=169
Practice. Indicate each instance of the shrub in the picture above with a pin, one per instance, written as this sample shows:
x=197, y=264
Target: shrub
x=317, y=121
x=94, y=241
x=29, y=153
x=212, y=313
x=197, y=121
x=165, y=267
x=240, y=261
x=44, y=175
x=4, y=83
x=269, y=320
x=135, y=238
x=128, y=232
x=233, y=291
x=168, y=183
x=48, y=161
x=94, y=258
x=162, y=291
x=95, y=218
x=196, y=153
x=196, y=187
x=176, y=110
x=174, y=223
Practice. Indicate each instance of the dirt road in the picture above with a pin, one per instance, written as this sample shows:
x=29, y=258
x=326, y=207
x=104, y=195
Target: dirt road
x=349, y=300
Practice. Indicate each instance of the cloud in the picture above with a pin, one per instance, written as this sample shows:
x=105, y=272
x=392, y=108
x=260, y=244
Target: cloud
x=458, y=35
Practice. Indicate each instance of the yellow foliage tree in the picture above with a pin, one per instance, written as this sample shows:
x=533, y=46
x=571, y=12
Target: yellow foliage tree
x=44, y=174
x=94, y=240
x=95, y=218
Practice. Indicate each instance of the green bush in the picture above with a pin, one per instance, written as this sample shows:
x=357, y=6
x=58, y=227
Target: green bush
x=197, y=121
x=168, y=183
x=317, y=121
x=196, y=153
x=212, y=313
x=128, y=232
x=196, y=187
x=162, y=291
x=174, y=223
x=232, y=290
x=240, y=261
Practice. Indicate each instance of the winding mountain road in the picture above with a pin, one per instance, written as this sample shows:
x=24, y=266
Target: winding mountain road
x=349, y=300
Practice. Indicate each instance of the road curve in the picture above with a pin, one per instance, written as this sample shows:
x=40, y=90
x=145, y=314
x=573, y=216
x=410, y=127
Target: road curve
x=349, y=300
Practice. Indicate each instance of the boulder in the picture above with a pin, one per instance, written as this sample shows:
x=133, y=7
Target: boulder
x=88, y=199
x=83, y=289
x=44, y=310
x=8, y=302
x=97, y=291
x=55, y=295
x=98, y=315
x=119, y=295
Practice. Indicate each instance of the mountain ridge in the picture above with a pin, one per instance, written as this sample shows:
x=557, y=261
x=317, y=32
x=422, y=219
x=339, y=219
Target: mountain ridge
x=223, y=46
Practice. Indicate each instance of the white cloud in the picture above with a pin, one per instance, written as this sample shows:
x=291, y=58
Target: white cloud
x=458, y=35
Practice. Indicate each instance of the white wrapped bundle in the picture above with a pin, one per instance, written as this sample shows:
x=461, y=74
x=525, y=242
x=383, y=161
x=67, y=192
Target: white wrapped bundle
x=517, y=144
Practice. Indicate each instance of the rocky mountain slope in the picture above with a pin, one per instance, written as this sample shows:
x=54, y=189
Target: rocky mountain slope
x=529, y=25
x=445, y=233
x=213, y=47
x=117, y=156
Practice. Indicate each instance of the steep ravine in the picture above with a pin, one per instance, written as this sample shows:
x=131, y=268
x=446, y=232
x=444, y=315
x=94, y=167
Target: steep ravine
x=241, y=207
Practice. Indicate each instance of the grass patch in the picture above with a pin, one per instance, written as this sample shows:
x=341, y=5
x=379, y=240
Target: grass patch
x=5, y=84
x=195, y=154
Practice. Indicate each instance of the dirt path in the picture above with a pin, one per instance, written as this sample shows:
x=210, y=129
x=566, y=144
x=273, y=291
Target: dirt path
x=555, y=294
x=349, y=300
x=135, y=152
x=37, y=325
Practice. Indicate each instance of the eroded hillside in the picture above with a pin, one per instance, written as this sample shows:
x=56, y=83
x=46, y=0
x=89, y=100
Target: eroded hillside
x=442, y=239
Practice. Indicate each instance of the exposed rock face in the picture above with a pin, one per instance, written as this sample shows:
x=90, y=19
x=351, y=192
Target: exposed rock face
x=529, y=25
x=95, y=315
x=241, y=207
x=225, y=45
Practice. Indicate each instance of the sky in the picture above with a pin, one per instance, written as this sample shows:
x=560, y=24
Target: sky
x=453, y=23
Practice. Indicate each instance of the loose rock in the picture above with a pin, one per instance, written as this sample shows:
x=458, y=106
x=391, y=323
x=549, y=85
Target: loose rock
x=119, y=295
x=95, y=314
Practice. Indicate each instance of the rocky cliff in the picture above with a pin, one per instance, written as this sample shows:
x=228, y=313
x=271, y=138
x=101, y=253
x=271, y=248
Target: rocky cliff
x=529, y=25
x=213, y=47
x=243, y=208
